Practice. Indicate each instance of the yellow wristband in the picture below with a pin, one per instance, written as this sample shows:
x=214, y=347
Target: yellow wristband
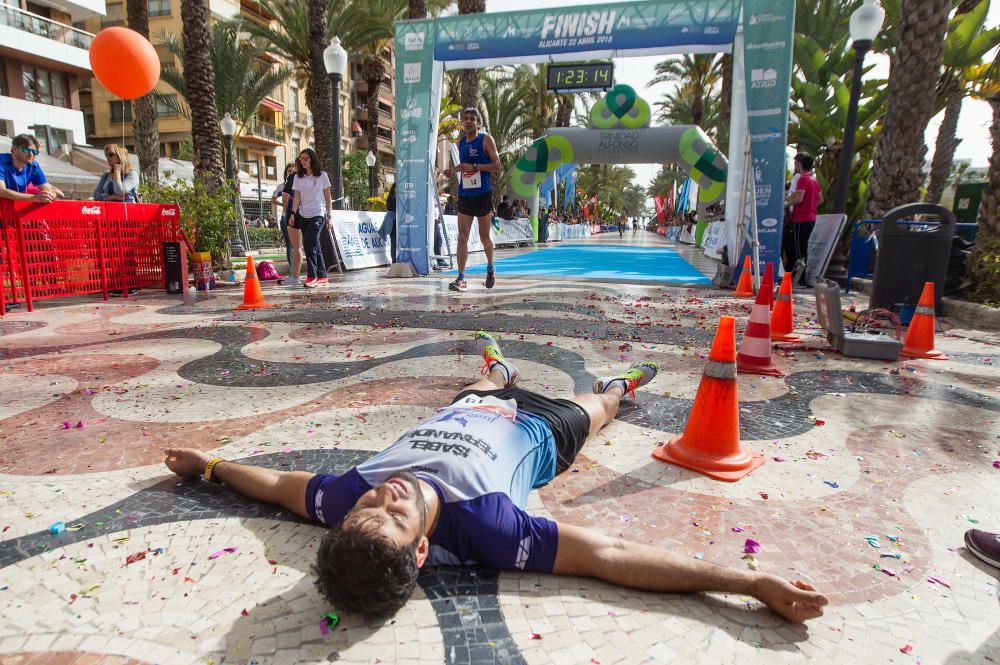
x=210, y=466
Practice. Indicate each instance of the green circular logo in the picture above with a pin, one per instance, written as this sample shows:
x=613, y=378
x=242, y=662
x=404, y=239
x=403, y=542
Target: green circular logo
x=544, y=156
x=620, y=107
x=706, y=165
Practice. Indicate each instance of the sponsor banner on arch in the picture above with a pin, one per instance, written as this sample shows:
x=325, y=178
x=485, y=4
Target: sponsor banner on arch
x=660, y=26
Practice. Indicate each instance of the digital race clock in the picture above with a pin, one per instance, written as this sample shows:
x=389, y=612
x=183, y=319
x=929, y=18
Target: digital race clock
x=590, y=76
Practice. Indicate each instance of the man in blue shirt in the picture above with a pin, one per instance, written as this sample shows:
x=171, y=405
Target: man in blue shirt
x=19, y=169
x=453, y=489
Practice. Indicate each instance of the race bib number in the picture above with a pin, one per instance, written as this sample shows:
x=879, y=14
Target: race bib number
x=506, y=408
x=472, y=180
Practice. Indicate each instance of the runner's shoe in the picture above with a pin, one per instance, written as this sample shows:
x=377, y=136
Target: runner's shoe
x=322, y=281
x=458, y=285
x=984, y=545
x=310, y=283
x=491, y=277
x=488, y=347
x=636, y=376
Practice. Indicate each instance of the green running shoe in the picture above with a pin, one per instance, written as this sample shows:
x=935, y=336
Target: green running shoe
x=636, y=376
x=488, y=347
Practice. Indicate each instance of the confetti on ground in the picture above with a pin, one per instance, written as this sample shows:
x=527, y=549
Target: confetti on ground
x=873, y=541
x=906, y=649
x=132, y=558
x=937, y=580
x=224, y=550
x=751, y=546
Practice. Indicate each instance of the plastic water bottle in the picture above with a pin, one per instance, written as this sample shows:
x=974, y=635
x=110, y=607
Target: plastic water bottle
x=190, y=295
x=232, y=276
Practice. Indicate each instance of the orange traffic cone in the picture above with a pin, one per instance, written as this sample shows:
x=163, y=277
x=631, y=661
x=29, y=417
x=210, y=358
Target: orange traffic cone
x=782, y=325
x=711, y=440
x=744, y=288
x=919, y=340
x=755, y=350
x=767, y=285
x=253, y=298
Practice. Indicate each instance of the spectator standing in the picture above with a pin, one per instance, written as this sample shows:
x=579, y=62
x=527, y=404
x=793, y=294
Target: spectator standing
x=312, y=205
x=291, y=234
x=804, y=197
x=120, y=182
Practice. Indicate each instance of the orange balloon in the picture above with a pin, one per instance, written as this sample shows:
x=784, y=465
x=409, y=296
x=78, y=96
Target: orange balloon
x=124, y=62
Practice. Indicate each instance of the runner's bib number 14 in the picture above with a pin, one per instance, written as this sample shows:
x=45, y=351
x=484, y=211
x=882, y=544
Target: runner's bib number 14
x=472, y=180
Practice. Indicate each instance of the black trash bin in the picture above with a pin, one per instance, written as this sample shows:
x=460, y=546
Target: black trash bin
x=911, y=254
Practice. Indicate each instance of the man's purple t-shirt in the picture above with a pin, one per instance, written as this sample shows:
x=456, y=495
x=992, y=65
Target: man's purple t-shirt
x=482, y=457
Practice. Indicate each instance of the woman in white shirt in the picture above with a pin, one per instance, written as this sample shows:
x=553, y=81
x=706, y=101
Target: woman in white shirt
x=312, y=205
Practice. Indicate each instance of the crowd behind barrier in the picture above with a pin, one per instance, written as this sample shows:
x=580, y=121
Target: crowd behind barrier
x=72, y=248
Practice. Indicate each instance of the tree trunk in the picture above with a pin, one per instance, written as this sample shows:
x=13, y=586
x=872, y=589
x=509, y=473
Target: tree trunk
x=319, y=91
x=564, y=110
x=470, y=78
x=205, y=134
x=897, y=172
x=944, y=152
x=144, y=121
x=373, y=71
x=983, y=260
x=722, y=132
x=418, y=9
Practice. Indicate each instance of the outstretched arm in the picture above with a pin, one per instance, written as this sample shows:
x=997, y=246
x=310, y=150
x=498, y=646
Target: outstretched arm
x=586, y=553
x=284, y=488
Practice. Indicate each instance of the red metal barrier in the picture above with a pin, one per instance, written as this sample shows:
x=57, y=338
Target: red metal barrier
x=70, y=248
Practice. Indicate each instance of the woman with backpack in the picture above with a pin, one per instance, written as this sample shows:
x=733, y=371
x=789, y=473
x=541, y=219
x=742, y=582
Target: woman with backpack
x=120, y=182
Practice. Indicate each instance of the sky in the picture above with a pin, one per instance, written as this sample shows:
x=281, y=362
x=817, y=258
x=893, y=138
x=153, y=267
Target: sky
x=973, y=126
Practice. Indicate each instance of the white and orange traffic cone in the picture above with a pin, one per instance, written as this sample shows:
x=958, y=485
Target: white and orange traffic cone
x=755, y=350
x=710, y=443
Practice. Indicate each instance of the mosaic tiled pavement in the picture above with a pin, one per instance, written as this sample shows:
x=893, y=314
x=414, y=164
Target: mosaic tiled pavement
x=854, y=448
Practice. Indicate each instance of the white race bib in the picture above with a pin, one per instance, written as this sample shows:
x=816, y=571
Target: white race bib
x=472, y=180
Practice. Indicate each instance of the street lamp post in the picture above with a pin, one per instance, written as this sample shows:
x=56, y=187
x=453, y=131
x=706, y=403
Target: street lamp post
x=866, y=21
x=235, y=237
x=335, y=61
x=370, y=161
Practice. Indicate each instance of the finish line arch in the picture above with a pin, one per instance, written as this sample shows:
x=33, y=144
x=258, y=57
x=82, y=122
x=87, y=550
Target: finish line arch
x=761, y=44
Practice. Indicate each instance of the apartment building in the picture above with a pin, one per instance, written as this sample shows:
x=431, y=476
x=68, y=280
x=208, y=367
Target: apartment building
x=386, y=111
x=44, y=66
x=281, y=128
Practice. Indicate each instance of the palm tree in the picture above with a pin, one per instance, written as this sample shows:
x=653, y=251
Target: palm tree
x=725, y=101
x=665, y=180
x=144, y=121
x=984, y=268
x=965, y=46
x=698, y=75
x=506, y=118
x=292, y=38
x=682, y=107
x=897, y=173
x=319, y=90
x=242, y=78
x=208, y=162
x=470, y=80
